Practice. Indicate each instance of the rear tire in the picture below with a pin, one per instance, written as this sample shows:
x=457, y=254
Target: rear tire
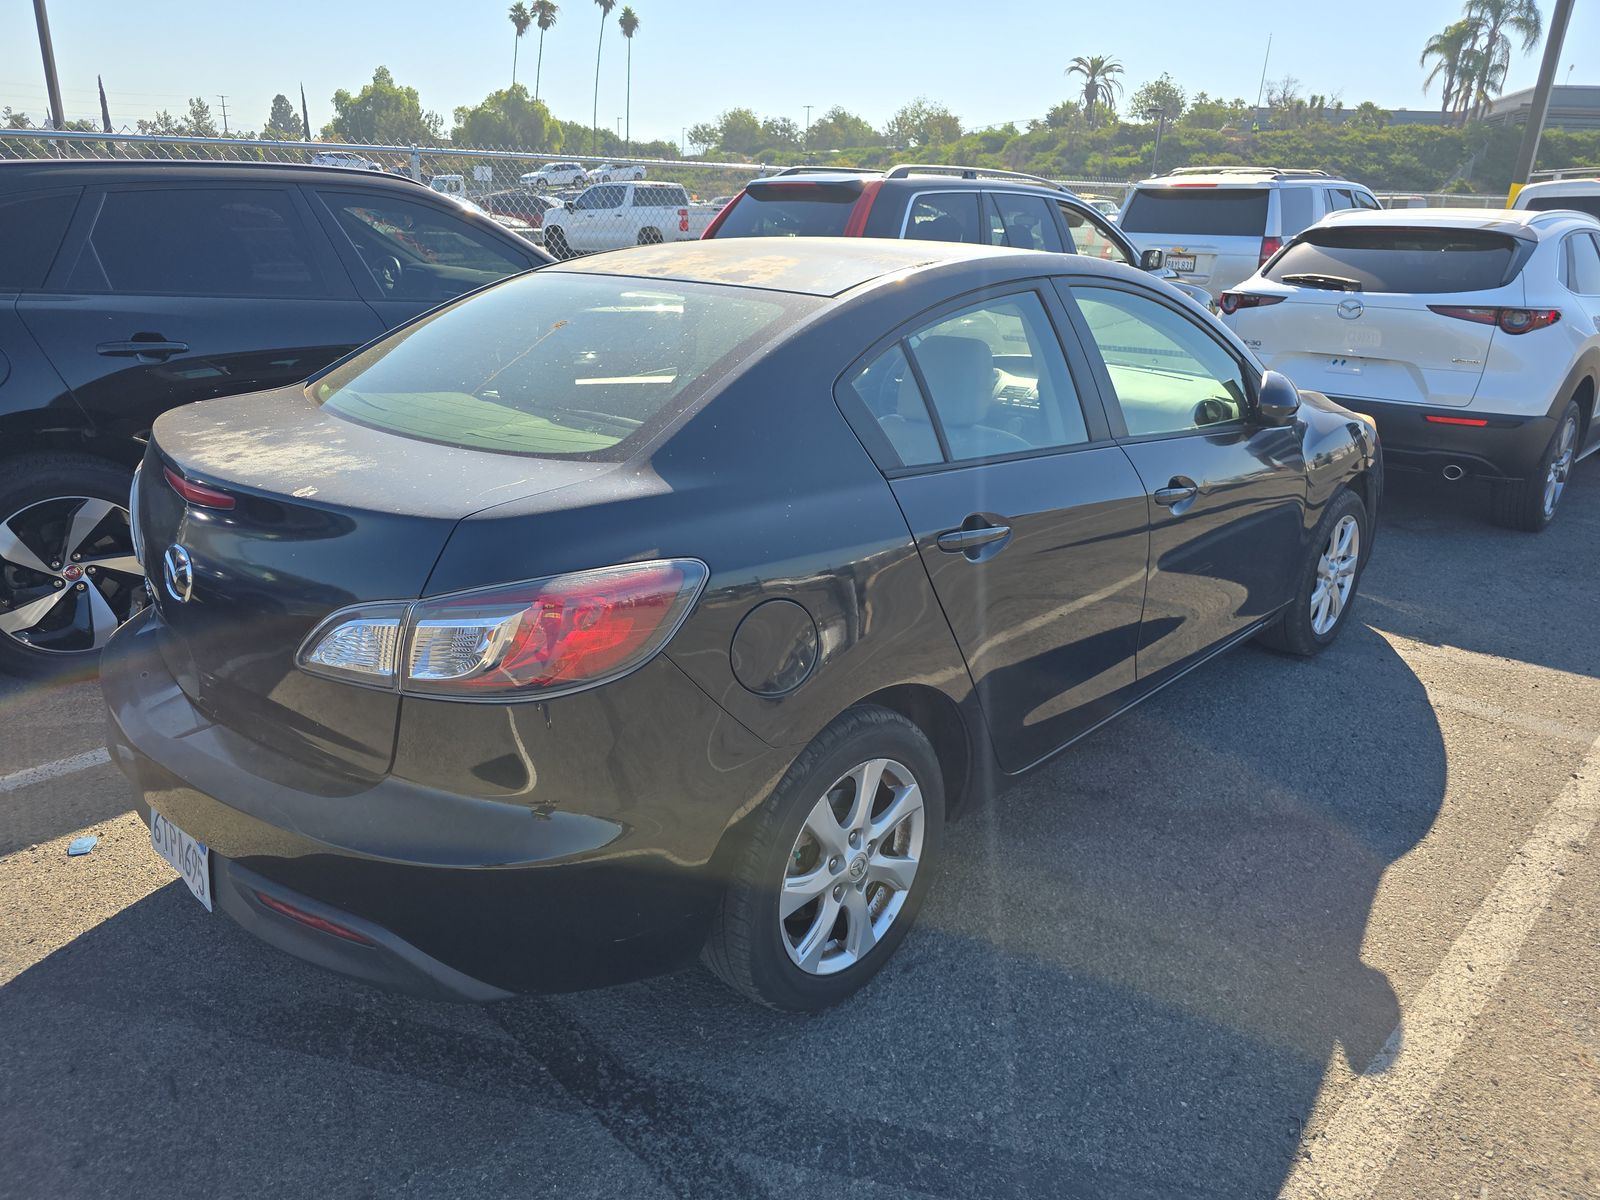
x=831, y=944
x=1321, y=604
x=1529, y=505
x=52, y=507
x=556, y=242
x=650, y=236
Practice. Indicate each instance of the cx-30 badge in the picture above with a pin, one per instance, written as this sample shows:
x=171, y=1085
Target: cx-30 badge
x=178, y=573
x=1351, y=309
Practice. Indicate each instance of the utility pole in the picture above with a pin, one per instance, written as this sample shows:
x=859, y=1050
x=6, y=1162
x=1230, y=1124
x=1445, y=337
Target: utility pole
x=1255, y=117
x=807, y=141
x=1529, y=151
x=224, y=100
x=47, y=50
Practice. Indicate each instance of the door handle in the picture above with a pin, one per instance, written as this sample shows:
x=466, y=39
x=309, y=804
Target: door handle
x=1179, y=490
x=160, y=350
x=959, y=541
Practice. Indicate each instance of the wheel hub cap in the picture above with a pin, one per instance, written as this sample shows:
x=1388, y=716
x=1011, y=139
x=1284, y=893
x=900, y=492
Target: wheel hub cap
x=68, y=574
x=1336, y=575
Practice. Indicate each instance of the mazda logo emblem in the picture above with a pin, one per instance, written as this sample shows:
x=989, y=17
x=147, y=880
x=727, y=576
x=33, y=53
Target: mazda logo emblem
x=178, y=573
x=1351, y=309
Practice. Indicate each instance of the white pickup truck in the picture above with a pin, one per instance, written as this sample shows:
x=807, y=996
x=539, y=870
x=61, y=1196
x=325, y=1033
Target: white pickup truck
x=609, y=216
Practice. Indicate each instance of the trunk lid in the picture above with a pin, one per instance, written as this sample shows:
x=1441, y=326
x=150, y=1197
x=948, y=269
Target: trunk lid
x=327, y=513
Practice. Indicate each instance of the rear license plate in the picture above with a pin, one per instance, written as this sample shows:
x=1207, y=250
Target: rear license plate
x=1180, y=262
x=187, y=857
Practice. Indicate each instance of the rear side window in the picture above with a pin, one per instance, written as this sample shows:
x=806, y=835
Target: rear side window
x=32, y=230
x=1583, y=264
x=1400, y=260
x=1217, y=212
x=944, y=217
x=1294, y=210
x=657, y=196
x=790, y=210
x=198, y=242
x=1583, y=204
x=559, y=364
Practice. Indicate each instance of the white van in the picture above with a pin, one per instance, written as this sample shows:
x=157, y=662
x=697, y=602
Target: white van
x=450, y=185
x=1218, y=225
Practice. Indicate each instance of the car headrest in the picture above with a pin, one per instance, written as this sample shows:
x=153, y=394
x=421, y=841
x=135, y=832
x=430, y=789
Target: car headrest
x=960, y=373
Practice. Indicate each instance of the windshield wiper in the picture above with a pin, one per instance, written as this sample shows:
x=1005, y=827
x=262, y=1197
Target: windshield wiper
x=1331, y=283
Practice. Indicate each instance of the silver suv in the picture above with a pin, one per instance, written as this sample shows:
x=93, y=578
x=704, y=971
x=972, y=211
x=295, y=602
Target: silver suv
x=1218, y=225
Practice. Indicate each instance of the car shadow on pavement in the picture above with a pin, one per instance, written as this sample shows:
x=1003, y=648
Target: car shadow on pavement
x=1132, y=973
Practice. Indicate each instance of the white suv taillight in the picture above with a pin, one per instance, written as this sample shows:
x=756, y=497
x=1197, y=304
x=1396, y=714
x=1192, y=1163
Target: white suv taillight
x=519, y=641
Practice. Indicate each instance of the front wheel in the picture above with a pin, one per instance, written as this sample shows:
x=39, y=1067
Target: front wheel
x=835, y=868
x=650, y=237
x=556, y=242
x=1530, y=504
x=1327, y=581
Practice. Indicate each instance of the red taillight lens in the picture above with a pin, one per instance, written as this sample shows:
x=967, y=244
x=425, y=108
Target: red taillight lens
x=198, y=493
x=311, y=920
x=1476, y=422
x=683, y=220
x=856, y=226
x=1232, y=302
x=1511, y=320
x=1269, y=247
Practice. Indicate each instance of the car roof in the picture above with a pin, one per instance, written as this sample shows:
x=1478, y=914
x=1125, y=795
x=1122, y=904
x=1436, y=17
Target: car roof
x=1563, y=187
x=1503, y=220
x=1245, y=177
x=813, y=266
x=94, y=170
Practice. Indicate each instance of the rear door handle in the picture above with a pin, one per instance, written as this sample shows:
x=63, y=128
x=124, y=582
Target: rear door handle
x=1179, y=490
x=141, y=349
x=959, y=541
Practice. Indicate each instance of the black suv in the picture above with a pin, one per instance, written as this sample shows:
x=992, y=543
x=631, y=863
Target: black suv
x=935, y=202
x=128, y=288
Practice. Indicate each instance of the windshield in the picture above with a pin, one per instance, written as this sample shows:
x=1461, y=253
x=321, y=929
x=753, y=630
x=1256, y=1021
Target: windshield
x=1400, y=260
x=1218, y=212
x=555, y=364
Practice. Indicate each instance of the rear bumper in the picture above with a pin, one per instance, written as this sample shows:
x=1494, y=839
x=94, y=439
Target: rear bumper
x=1507, y=447
x=453, y=896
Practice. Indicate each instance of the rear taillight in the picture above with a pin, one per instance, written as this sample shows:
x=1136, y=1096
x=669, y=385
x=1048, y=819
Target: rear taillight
x=856, y=226
x=1232, y=302
x=1269, y=247
x=311, y=920
x=683, y=220
x=520, y=641
x=198, y=493
x=1511, y=320
x=1439, y=419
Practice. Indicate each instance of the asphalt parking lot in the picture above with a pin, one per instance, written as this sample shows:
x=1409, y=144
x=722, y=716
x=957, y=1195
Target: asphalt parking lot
x=1327, y=929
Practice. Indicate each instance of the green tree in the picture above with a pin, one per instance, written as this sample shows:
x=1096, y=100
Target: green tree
x=507, y=118
x=779, y=133
x=1496, y=21
x=544, y=12
x=922, y=124
x=283, y=124
x=199, y=123
x=629, y=24
x=736, y=133
x=1368, y=115
x=382, y=113
x=520, y=19
x=1449, y=50
x=1206, y=113
x=605, y=7
x=1101, y=83
x=1160, y=102
x=838, y=129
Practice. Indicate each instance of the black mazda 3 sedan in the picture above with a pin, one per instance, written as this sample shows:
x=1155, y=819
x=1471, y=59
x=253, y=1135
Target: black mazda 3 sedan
x=668, y=602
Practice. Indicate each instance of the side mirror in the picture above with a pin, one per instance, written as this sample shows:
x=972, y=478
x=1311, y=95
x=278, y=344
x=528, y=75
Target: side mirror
x=1152, y=260
x=1277, y=400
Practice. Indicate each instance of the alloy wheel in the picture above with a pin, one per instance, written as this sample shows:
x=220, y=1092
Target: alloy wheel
x=852, y=867
x=1555, y=479
x=1336, y=575
x=68, y=574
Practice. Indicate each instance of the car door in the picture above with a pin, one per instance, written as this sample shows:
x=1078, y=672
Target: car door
x=409, y=254
x=165, y=294
x=1582, y=279
x=1030, y=521
x=1227, y=495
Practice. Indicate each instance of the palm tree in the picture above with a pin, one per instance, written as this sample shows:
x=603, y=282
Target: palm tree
x=605, y=7
x=629, y=22
x=1100, y=83
x=521, y=18
x=1496, y=21
x=1450, y=50
x=544, y=12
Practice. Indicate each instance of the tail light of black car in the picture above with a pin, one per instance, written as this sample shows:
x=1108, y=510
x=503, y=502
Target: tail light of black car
x=1232, y=302
x=1510, y=320
x=518, y=641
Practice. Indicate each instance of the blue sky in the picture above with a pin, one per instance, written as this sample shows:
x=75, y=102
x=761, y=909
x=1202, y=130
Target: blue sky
x=990, y=62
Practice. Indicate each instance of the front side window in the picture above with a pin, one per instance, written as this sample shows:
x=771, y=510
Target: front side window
x=1090, y=236
x=245, y=242
x=607, y=195
x=416, y=250
x=1170, y=376
x=944, y=217
x=558, y=365
x=1025, y=222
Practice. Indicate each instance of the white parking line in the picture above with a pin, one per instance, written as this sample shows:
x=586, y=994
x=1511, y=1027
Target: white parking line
x=1353, y=1150
x=53, y=770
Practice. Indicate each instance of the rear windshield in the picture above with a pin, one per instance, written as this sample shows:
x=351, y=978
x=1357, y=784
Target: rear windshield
x=555, y=364
x=790, y=210
x=1400, y=260
x=1584, y=204
x=1217, y=212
